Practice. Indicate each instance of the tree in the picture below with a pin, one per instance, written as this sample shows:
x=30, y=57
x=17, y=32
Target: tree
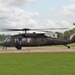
x=2, y=37
x=66, y=34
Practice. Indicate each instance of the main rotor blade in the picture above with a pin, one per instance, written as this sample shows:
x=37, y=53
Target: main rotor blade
x=27, y=29
x=4, y=29
x=50, y=29
x=11, y=29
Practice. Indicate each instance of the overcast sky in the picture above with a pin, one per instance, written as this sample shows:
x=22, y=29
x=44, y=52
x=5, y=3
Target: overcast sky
x=37, y=13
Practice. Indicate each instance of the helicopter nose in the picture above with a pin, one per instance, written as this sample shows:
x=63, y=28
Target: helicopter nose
x=1, y=44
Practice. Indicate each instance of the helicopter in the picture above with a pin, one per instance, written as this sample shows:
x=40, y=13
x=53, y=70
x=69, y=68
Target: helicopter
x=33, y=39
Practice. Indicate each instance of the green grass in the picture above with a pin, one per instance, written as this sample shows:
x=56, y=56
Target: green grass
x=72, y=45
x=37, y=64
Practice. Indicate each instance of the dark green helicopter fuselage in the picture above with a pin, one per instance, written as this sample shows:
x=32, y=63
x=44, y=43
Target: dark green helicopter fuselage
x=33, y=39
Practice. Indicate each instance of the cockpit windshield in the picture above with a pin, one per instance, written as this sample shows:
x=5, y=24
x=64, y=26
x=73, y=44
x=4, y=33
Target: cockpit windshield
x=8, y=39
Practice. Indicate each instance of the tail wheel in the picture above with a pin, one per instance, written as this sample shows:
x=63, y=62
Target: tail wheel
x=68, y=47
x=19, y=47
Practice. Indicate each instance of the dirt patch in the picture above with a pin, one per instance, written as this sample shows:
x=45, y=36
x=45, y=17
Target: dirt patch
x=34, y=49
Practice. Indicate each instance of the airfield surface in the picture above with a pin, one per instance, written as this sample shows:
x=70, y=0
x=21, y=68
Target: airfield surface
x=36, y=49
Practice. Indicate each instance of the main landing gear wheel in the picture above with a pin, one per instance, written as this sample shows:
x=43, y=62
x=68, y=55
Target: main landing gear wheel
x=68, y=47
x=19, y=47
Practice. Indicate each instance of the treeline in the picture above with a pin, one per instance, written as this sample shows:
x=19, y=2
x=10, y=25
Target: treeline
x=2, y=37
x=66, y=34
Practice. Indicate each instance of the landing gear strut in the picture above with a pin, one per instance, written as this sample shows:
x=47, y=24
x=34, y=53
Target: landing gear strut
x=5, y=48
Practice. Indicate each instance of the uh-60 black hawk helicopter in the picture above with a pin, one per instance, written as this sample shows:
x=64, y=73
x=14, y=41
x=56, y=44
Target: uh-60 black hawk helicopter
x=33, y=39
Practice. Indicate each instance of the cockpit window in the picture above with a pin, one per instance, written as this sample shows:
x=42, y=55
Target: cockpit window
x=8, y=39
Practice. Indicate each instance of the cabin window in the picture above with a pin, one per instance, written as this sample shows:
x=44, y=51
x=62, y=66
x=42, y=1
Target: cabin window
x=23, y=39
x=28, y=40
x=16, y=40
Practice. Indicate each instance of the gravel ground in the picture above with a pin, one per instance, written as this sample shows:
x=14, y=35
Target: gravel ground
x=36, y=49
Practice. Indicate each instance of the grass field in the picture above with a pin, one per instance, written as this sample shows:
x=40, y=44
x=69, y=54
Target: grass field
x=37, y=63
